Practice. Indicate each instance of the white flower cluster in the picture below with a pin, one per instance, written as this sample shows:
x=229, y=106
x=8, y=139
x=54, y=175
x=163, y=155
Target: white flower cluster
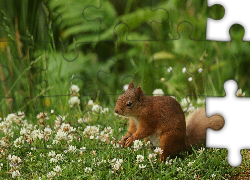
x=42, y=115
x=63, y=134
x=158, y=92
x=158, y=150
x=72, y=149
x=88, y=170
x=58, y=121
x=239, y=93
x=187, y=105
x=116, y=163
x=54, y=158
x=191, y=163
x=6, y=123
x=15, y=160
x=140, y=159
x=169, y=162
x=91, y=132
x=74, y=100
x=137, y=144
x=104, y=135
x=15, y=174
x=96, y=108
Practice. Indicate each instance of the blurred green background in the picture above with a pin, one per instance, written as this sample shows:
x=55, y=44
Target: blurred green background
x=45, y=46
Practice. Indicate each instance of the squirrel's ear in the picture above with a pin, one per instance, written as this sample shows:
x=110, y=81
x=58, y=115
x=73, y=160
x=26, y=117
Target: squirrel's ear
x=131, y=85
x=138, y=90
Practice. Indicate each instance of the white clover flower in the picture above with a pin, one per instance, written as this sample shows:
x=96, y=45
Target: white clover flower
x=42, y=115
x=105, y=110
x=88, y=170
x=184, y=70
x=151, y=156
x=60, y=135
x=185, y=102
x=190, y=109
x=51, y=174
x=52, y=154
x=137, y=144
x=91, y=103
x=52, y=111
x=200, y=70
x=190, y=164
x=158, y=150
x=97, y=108
x=141, y=166
x=213, y=175
x=19, y=141
x=59, y=157
x=15, y=174
x=57, y=169
x=179, y=169
x=169, y=69
x=10, y=118
x=104, y=137
x=169, y=162
x=239, y=93
x=201, y=150
x=139, y=158
x=91, y=131
x=116, y=164
x=3, y=143
x=53, y=160
x=158, y=92
x=72, y=149
x=47, y=131
x=36, y=134
x=125, y=87
x=80, y=121
x=74, y=89
x=14, y=159
x=190, y=79
x=74, y=101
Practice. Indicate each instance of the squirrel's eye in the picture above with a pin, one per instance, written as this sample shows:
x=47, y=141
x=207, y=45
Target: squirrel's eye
x=129, y=104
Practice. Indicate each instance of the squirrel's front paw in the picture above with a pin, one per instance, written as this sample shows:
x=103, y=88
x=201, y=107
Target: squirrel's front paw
x=122, y=143
x=129, y=141
x=123, y=140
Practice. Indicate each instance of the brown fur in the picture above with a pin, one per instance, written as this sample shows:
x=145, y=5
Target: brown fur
x=162, y=118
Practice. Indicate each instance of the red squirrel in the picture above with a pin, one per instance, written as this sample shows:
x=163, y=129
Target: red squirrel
x=161, y=119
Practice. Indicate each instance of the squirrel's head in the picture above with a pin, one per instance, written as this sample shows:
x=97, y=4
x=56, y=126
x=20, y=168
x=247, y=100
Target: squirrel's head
x=128, y=103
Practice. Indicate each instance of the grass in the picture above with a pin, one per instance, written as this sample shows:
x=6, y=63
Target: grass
x=84, y=145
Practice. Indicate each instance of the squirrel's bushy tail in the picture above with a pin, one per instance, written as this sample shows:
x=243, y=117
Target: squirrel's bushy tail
x=197, y=123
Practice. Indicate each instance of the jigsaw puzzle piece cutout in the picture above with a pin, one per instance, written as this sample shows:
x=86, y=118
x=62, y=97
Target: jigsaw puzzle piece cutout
x=234, y=110
x=219, y=29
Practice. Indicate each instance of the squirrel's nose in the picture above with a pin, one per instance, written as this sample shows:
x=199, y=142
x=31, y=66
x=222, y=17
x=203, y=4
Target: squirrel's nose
x=116, y=110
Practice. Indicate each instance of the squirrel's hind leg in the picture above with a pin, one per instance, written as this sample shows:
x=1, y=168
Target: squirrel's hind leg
x=171, y=144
